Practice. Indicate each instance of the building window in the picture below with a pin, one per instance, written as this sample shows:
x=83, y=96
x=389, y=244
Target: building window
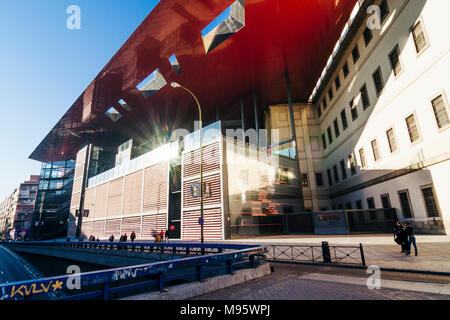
x=336, y=127
x=319, y=179
x=337, y=82
x=324, y=103
x=305, y=182
x=405, y=203
x=367, y=34
x=384, y=10
x=394, y=58
x=336, y=174
x=343, y=170
x=362, y=157
x=378, y=80
x=413, y=130
x=375, y=150
x=364, y=97
x=324, y=142
x=330, y=136
x=391, y=140
x=430, y=202
x=353, y=109
x=351, y=160
x=345, y=70
x=330, y=181
x=385, y=201
x=355, y=54
x=440, y=112
x=420, y=40
x=359, y=204
x=344, y=119
x=370, y=203
x=330, y=94
x=319, y=112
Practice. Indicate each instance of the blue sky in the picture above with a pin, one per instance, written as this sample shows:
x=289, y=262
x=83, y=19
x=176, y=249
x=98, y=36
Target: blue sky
x=44, y=67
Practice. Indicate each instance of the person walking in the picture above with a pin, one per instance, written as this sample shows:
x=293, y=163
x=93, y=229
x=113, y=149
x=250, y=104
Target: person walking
x=111, y=239
x=125, y=237
x=162, y=235
x=167, y=235
x=411, y=239
x=132, y=236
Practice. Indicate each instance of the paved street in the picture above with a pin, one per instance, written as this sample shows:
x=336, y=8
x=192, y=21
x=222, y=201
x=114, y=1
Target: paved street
x=11, y=269
x=294, y=282
x=434, y=251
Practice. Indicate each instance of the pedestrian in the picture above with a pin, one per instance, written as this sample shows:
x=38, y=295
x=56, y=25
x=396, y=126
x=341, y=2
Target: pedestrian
x=132, y=236
x=111, y=239
x=411, y=239
x=125, y=237
x=121, y=238
x=162, y=235
x=404, y=238
x=399, y=236
x=167, y=235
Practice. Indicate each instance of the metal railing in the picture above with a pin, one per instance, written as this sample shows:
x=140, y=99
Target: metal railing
x=105, y=283
x=352, y=255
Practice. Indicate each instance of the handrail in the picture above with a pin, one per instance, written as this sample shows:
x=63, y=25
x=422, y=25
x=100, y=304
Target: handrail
x=328, y=254
x=106, y=278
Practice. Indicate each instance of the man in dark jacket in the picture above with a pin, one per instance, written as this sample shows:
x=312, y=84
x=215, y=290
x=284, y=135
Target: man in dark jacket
x=411, y=239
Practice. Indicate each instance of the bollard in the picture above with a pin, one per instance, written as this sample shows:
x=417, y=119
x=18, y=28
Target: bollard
x=326, y=252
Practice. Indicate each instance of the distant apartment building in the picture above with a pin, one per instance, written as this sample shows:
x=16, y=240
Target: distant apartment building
x=17, y=209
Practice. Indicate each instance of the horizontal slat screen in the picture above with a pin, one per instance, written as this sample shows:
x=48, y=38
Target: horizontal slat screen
x=113, y=227
x=212, y=225
x=211, y=160
x=86, y=229
x=133, y=194
x=215, y=194
x=100, y=201
x=89, y=198
x=151, y=223
x=156, y=188
x=98, y=229
x=131, y=224
x=115, y=198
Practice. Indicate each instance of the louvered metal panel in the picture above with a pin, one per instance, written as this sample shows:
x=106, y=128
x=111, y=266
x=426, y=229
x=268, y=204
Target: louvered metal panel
x=113, y=227
x=151, y=223
x=214, y=197
x=86, y=229
x=156, y=188
x=211, y=160
x=89, y=200
x=77, y=185
x=131, y=224
x=212, y=225
x=115, y=198
x=75, y=201
x=132, y=194
x=98, y=229
x=101, y=192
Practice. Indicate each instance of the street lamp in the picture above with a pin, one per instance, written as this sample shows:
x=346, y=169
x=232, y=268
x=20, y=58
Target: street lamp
x=176, y=85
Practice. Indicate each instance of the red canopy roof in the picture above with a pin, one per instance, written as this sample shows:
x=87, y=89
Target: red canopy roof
x=295, y=36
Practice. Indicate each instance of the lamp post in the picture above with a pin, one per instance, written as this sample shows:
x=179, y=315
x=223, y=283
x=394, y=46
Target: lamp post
x=176, y=85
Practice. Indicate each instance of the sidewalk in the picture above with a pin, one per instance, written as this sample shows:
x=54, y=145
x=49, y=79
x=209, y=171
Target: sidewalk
x=382, y=251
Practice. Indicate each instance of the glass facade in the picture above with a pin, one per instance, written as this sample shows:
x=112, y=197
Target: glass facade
x=53, y=200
